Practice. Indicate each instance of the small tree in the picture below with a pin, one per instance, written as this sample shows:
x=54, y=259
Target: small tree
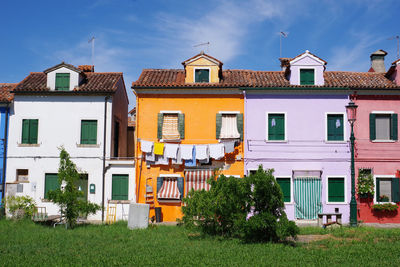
x=70, y=198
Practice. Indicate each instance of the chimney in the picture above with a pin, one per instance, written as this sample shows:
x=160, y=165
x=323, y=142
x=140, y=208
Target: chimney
x=86, y=68
x=378, y=61
x=284, y=63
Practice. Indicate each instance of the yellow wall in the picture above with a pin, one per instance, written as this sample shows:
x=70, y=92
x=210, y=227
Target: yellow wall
x=202, y=63
x=200, y=113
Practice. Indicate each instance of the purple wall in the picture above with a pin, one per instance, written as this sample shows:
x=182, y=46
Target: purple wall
x=306, y=147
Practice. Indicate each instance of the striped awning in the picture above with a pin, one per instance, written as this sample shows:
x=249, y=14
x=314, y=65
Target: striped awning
x=197, y=179
x=169, y=189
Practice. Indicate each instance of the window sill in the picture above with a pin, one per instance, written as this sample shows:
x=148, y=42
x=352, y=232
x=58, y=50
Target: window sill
x=43, y=200
x=28, y=145
x=336, y=203
x=120, y=201
x=389, y=202
x=335, y=142
x=169, y=200
x=170, y=141
x=276, y=141
x=383, y=141
x=88, y=145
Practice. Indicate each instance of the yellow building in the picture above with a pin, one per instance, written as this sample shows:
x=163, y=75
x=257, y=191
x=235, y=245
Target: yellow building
x=193, y=118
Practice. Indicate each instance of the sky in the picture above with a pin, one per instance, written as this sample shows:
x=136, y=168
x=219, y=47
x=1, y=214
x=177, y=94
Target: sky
x=131, y=35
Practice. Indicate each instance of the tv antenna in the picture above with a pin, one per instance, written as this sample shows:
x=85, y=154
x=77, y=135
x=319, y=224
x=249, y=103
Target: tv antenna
x=91, y=40
x=203, y=44
x=284, y=35
x=396, y=37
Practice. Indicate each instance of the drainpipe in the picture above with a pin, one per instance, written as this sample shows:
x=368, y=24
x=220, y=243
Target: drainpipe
x=3, y=187
x=104, y=157
x=245, y=132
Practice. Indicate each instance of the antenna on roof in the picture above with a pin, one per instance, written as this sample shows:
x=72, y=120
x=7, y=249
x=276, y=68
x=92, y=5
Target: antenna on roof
x=203, y=44
x=396, y=37
x=284, y=35
x=91, y=40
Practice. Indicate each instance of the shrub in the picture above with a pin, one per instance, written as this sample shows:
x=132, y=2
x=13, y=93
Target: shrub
x=385, y=207
x=250, y=208
x=20, y=206
x=365, y=183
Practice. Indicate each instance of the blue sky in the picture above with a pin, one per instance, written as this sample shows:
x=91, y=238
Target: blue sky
x=136, y=34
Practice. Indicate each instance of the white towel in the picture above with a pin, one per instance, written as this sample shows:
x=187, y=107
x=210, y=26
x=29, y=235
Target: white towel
x=229, y=146
x=171, y=150
x=186, y=152
x=217, y=151
x=146, y=146
x=202, y=152
x=162, y=160
x=178, y=160
x=150, y=157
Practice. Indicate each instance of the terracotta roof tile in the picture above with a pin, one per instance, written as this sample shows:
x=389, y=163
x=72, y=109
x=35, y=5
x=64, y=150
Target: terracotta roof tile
x=248, y=78
x=202, y=54
x=93, y=82
x=394, y=62
x=5, y=92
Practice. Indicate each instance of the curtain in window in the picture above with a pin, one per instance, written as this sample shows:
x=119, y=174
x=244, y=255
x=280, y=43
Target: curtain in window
x=229, y=127
x=383, y=127
x=169, y=189
x=307, y=197
x=197, y=180
x=170, y=127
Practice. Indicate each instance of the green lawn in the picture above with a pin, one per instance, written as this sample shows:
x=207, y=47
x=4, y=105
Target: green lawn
x=24, y=243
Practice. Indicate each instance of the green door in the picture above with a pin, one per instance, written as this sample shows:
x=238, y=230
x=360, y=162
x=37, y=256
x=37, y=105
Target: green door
x=307, y=197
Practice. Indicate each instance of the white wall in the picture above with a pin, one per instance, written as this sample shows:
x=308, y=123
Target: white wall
x=74, y=78
x=307, y=62
x=59, y=125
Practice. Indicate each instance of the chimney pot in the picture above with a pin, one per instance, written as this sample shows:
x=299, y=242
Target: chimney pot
x=378, y=61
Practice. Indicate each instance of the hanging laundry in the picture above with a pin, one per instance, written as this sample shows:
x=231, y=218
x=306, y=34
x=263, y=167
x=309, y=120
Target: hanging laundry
x=187, y=152
x=150, y=157
x=162, y=160
x=229, y=146
x=178, y=160
x=217, y=151
x=171, y=150
x=202, y=152
x=146, y=146
x=338, y=123
x=204, y=161
x=191, y=162
x=159, y=148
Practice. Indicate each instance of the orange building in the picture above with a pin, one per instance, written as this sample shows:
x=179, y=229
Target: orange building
x=194, y=112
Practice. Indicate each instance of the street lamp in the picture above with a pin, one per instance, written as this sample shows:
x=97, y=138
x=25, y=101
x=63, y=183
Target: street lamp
x=351, y=110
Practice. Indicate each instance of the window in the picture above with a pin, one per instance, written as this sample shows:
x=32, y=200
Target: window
x=29, y=131
x=276, y=127
x=284, y=183
x=22, y=175
x=171, y=126
x=387, y=189
x=201, y=75
x=89, y=132
x=336, y=189
x=82, y=185
x=229, y=125
x=169, y=188
x=62, y=82
x=335, y=127
x=383, y=127
x=306, y=76
x=51, y=183
x=119, y=187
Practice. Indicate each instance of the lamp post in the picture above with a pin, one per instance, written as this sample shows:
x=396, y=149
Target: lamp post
x=351, y=110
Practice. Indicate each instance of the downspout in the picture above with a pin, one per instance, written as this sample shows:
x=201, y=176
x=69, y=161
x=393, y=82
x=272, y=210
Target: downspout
x=3, y=186
x=245, y=132
x=104, y=157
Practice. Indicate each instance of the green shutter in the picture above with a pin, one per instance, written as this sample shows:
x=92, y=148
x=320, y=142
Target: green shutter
x=372, y=131
x=119, y=188
x=62, y=81
x=51, y=183
x=335, y=133
x=395, y=190
x=276, y=130
x=160, y=120
x=378, y=189
x=181, y=125
x=336, y=189
x=239, y=122
x=89, y=132
x=160, y=181
x=393, y=127
x=25, y=131
x=218, y=125
x=284, y=183
x=33, y=131
x=202, y=75
x=306, y=77
x=180, y=185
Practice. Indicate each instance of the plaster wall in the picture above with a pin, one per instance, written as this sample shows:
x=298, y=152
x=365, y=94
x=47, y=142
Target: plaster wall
x=74, y=78
x=202, y=63
x=307, y=63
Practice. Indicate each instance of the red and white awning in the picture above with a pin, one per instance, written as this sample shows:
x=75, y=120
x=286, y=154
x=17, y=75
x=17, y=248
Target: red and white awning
x=197, y=179
x=169, y=189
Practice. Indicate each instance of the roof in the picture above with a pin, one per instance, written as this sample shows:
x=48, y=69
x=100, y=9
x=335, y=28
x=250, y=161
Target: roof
x=309, y=53
x=167, y=78
x=63, y=64
x=202, y=54
x=394, y=62
x=132, y=111
x=94, y=82
x=5, y=92
x=379, y=52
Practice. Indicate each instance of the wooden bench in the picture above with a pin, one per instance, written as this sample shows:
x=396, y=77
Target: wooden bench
x=329, y=221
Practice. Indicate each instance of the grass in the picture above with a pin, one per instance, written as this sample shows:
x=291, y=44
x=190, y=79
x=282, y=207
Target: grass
x=26, y=243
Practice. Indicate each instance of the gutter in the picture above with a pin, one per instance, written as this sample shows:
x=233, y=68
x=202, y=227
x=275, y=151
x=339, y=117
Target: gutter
x=3, y=186
x=104, y=157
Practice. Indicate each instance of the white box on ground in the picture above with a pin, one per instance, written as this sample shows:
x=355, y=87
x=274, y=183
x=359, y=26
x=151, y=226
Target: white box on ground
x=138, y=215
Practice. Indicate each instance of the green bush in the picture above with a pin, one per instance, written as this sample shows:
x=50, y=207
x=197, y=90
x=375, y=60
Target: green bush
x=250, y=208
x=20, y=207
x=385, y=207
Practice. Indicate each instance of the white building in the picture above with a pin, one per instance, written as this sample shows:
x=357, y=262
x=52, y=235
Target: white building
x=86, y=113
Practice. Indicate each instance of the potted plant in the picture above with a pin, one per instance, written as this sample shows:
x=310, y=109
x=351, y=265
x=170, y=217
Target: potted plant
x=383, y=198
x=386, y=207
x=365, y=183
